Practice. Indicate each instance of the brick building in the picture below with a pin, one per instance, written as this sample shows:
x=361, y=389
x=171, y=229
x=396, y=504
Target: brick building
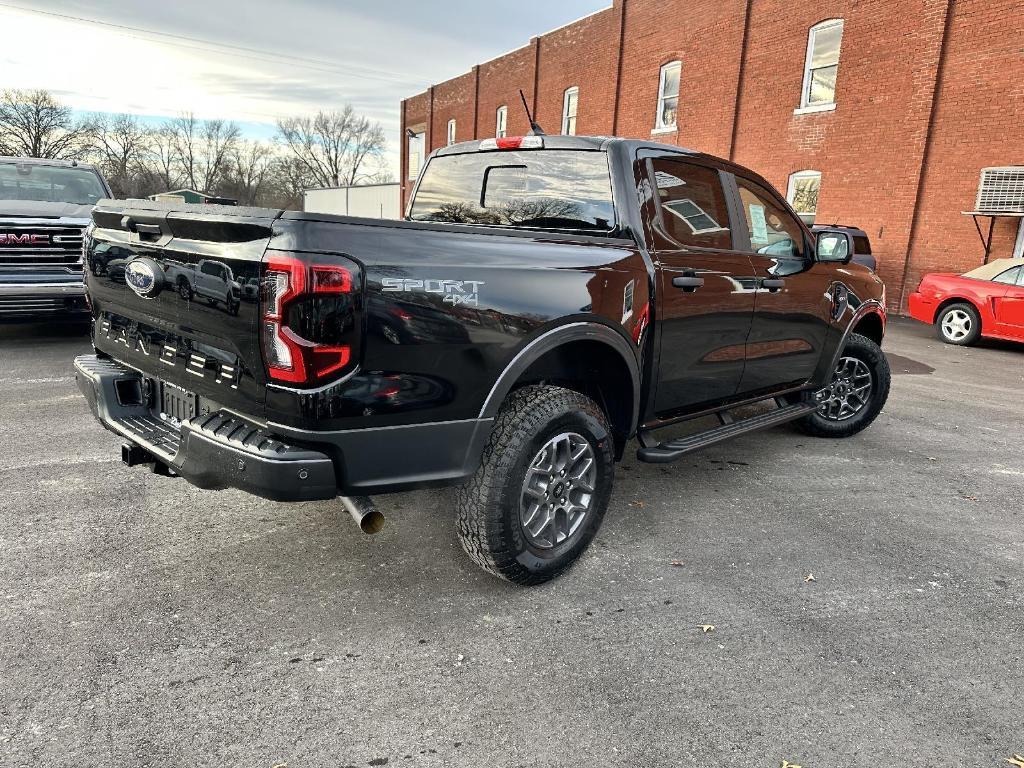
x=874, y=113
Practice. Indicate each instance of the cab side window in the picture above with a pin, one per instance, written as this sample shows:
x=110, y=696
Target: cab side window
x=773, y=230
x=692, y=203
x=1011, y=276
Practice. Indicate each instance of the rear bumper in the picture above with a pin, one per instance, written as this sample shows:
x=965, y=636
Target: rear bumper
x=214, y=451
x=220, y=450
x=922, y=308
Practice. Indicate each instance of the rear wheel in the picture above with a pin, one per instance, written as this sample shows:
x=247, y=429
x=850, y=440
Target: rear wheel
x=856, y=393
x=542, y=488
x=959, y=324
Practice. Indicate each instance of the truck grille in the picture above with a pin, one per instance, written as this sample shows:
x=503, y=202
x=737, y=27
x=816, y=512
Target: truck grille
x=26, y=306
x=33, y=246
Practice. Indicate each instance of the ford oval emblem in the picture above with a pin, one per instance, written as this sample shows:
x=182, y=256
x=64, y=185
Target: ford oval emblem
x=144, y=277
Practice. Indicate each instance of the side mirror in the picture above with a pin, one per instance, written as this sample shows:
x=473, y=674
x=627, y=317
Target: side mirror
x=833, y=246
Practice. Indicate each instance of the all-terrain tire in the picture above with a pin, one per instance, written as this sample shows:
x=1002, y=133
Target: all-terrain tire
x=865, y=350
x=971, y=319
x=490, y=524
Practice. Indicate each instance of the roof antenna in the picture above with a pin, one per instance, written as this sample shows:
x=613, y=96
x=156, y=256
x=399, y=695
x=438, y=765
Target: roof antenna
x=535, y=130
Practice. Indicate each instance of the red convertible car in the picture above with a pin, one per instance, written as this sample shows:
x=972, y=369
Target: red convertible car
x=987, y=301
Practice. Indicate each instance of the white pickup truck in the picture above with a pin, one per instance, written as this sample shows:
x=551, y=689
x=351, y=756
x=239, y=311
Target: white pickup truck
x=209, y=279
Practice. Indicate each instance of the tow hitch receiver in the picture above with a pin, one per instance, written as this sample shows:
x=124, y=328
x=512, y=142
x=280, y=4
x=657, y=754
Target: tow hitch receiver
x=132, y=455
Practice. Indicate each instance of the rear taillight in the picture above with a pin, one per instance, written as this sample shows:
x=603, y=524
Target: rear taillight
x=308, y=327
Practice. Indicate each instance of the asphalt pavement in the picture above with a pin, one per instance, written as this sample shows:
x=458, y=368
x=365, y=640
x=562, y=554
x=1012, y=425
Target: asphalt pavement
x=865, y=595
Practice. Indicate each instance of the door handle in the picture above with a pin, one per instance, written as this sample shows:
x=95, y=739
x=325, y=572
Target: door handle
x=773, y=284
x=688, y=283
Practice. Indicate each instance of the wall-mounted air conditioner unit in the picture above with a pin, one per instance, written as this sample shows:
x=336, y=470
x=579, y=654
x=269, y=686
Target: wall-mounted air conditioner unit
x=1001, y=190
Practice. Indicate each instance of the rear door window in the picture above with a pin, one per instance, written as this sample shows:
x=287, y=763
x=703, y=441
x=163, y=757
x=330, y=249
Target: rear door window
x=543, y=189
x=693, y=207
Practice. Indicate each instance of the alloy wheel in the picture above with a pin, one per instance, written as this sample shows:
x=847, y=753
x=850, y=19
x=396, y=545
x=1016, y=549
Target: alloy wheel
x=848, y=392
x=558, y=490
x=956, y=325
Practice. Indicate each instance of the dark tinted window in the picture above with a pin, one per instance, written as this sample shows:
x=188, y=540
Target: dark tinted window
x=693, y=204
x=1010, y=276
x=861, y=245
x=551, y=189
x=773, y=230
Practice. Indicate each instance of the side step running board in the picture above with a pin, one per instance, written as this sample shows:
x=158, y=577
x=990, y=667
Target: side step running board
x=674, y=449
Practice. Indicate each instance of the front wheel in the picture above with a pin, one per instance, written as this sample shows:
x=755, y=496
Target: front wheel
x=542, y=488
x=855, y=395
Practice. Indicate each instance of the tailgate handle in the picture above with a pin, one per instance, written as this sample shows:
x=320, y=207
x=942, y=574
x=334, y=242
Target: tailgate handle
x=131, y=225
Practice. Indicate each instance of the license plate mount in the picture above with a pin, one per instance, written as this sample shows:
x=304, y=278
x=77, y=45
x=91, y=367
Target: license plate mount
x=176, y=403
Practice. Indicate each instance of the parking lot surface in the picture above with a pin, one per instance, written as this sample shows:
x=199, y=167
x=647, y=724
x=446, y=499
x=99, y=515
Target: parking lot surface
x=145, y=622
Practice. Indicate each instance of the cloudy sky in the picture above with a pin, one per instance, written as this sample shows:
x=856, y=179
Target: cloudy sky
x=254, y=60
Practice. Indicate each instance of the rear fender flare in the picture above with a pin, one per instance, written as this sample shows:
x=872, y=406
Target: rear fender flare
x=552, y=339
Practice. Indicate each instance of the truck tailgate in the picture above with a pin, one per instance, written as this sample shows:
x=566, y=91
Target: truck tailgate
x=174, y=292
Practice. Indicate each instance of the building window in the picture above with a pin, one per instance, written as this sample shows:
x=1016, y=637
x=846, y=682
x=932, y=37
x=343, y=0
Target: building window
x=570, y=101
x=822, y=64
x=416, y=146
x=501, y=122
x=668, y=96
x=451, y=132
x=803, y=194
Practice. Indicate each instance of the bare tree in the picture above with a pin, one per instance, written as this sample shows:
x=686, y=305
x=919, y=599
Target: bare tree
x=123, y=147
x=161, y=165
x=291, y=179
x=333, y=146
x=34, y=124
x=203, y=149
x=252, y=163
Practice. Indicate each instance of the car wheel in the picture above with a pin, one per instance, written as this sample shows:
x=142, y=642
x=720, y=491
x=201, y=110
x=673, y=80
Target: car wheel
x=856, y=393
x=542, y=488
x=185, y=290
x=959, y=324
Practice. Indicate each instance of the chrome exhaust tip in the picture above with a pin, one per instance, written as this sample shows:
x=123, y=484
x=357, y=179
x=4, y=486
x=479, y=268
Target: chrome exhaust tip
x=364, y=512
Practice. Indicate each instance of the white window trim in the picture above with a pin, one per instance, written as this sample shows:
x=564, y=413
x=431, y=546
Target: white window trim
x=791, y=190
x=1018, y=246
x=451, y=132
x=816, y=108
x=806, y=107
x=501, y=121
x=574, y=90
x=660, y=127
x=421, y=138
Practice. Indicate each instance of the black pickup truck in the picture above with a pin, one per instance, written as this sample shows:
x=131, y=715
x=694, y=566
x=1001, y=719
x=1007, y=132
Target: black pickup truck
x=545, y=300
